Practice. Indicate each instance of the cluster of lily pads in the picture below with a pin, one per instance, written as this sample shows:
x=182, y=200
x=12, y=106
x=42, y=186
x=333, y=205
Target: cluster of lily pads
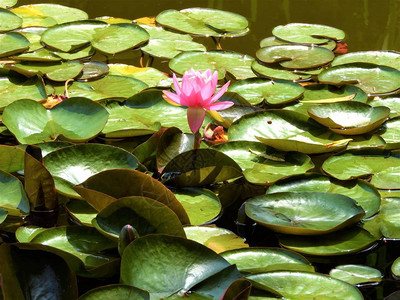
x=99, y=179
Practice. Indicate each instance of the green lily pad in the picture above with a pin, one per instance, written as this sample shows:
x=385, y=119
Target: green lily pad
x=277, y=72
x=11, y=158
x=237, y=65
x=364, y=193
x=7, y=3
x=40, y=55
x=92, y=70
x=3, y=215
x=390, y=133
x=201, y=205
x=13, y=88
x=388, y=218
x=12, y=43
x=273, y=41
x=382, y=167
x=349, y=117
x=395, y=268
x=304, y=213
x=152, y=77
x=264, y=165
x=259, y=260
x=304, y=285
x=9, y=20
x=76, y=119
x=25, y=234
x=47, y=15
x=162, y=49
x=35, y=274
x=108, y=87
x=80, y=54
x=105, y=187
x=200, y=167
x=372, y=79
x=80, y=247
x=366, y=142
x=383, y=58
x=138, y=212
x=202, y=21
x=295, y=56
x=392, y=102
x=72, y=165
x=57, y=71
x=157, y=32
x=303, y=33
x=81, y=211
x=12, y=198
x=217, y=239
x=346, y=241
x=286, y=131
x=176, y=265
x=326, y=93
x=107, y=38
x=356, y=274
x=257, y=90
x=115, y=291
x=33, y=34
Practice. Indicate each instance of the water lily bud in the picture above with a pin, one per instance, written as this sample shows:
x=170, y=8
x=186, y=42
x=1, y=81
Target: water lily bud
x=127, y=235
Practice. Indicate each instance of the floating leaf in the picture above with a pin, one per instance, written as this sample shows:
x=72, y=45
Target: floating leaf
x=238, y=65
x=277, y=72
x=33, y=34
x=80, y=54
x=202, y=21
x=162, y=49
x=76, y=119
x=273, y=41
x=258, y=260
x=304, y=213
x=388, y=218
x=383, y=58
x=81, y=211
x=396, y=267
x=47, y=14
x=107, y=38
x=73, y=165
x=115, y=291
x=40, y=55
x=255, y=91
x=152, y=77
x=303, y=33
x=325, y=93
x=356, y=274
x=158, y=32
x=11, y=158
x=25, y=234
x=304, y=285
x=9, y=21
x=390, y=133
x=7, y=3
x=12, y=43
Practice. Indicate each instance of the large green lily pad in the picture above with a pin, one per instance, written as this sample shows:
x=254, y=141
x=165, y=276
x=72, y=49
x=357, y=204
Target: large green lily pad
x=13, y=197
x=277, y=72
x=11, y=158
x=200, y=167
x=202, y=21
x=388, y=218
x=303, y=33
x=158, y=32
x=40, y=55
x=295, y=56
x=287, y=131
x=264, y=165
x=12, y=43
x=72, y=165
x=273, y=41
x=258, y=260
x=383, y=167
x=346, y=241
x=48, y=14
x=168, y=49
x=217, y=239
x=115, y=291
x=372, y=79
x=9, y=20
x=33, y=34
x=138, y=212
x=166, y=265
x=76, y=119
x=383, y=58
x=304, y=213
x=326, y=93
x=58, y=71
x=7, y=3
x=257, y=90
x=105, y=187
x=236, y=64
x=17, y=87
x=390, y=133
x=349, y=117
x=364, y=193
x=81, y=211
x=151, y=76
x=107, y=38
x=356, y=274
x=392, y=102
x=305, y=286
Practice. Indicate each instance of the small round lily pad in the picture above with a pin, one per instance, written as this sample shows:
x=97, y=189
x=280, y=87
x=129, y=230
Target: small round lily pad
x=356, y=274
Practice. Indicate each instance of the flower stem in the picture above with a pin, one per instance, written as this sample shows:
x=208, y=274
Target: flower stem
x=197, y=140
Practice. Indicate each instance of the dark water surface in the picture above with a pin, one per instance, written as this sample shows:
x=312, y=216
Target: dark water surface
x=369, y=24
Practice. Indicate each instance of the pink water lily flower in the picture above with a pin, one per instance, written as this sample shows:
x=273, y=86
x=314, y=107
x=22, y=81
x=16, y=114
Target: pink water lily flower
x=197, y=93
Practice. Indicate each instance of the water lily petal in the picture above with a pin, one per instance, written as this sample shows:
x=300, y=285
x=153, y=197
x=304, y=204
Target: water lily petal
x=195, y=117
x=176, y=85
x=221, y=91
x=220, y=105
x=172, y=98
